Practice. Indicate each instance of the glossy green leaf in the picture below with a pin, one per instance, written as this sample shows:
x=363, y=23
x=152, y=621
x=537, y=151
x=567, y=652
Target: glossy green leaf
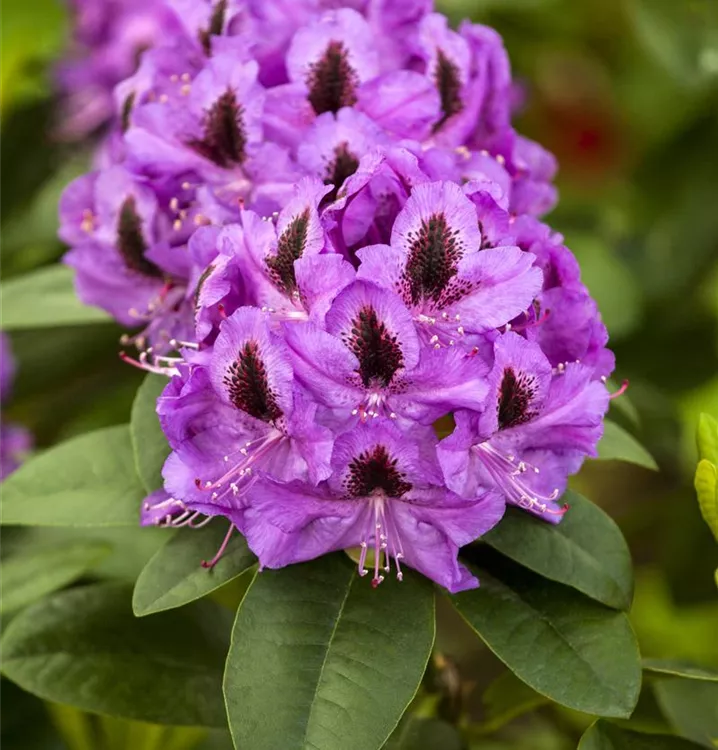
x=505, y=699
x=175, y=576
x=706, y=484
x=85, y=648
x=34, y=573
x=602, y=735
x=88, y=480
x=46, y=298
x=619, y=445
x=415, y=733
x=679, y=669
x=585, y=551
x=320, y=660
x=149, y=443
x=691, y=707
x=707, y=438
x=567, y=647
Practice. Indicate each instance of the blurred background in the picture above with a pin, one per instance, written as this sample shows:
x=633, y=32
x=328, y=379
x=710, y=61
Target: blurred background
x=625, y=93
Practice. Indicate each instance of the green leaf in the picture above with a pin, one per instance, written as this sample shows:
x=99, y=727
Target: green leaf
x=45, y=298
x=602, y=735
x=707, y=438
x=320, y=660
x=414, y=733
x=679, y=669
x=85, y=648
x=691, y=707
x=33, y=574
x=563, y=645
x=706, y=484
x=175, y=576
x=619, y=445
x=149, y=443
x=505, y=699
x=585, y=551
x=89, y=480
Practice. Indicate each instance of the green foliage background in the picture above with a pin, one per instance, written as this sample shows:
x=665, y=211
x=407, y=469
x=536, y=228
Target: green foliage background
x=625, y=92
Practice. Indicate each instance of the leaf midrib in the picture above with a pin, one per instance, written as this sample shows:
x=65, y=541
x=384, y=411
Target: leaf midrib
x=595, y=565
x=332, y=636
x=552, y=627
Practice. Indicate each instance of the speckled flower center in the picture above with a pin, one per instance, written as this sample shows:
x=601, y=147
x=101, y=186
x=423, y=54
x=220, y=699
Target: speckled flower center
x=515, y=396
x=248, y=386
x=216, y=24
x=290, y=247
x=131, y=242
x=433, y=256
x=448, y=83
x=377, y=350
x=224, y=141
x=375, y=470
x=343, y=165
x=331, y=80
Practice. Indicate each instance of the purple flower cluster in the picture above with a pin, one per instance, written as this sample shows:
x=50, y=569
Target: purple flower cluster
x=15, y=441
x=327, y=212
x=304, y=412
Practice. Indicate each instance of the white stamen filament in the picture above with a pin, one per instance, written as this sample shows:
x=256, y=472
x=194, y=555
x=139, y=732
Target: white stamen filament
x=241, y=476
x=383, y=535
x=505, y=472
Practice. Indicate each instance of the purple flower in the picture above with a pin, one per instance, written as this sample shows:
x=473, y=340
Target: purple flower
x=444, y=267
x=108, y=36
x=232, y=415
x=536, y=427
x=370, y=362
x=385, y=493
x=15, y=441
x=211, y=126
x=330, y=59
x=115, y=227
x=289, y=268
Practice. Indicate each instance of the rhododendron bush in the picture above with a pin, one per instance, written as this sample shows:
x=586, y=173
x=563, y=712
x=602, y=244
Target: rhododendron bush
x=363, y=398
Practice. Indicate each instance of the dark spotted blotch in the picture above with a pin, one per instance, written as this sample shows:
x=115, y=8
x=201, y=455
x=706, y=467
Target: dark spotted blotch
x=331, y=80
x=448, y=83
x=377, y=350
x=290, y=247
x=225, y=140
x=375, y=470
x=131, y=242
x=433, y=257
x=248, y=386
x=343, y=165
x=216, y=25
x=515, y=397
